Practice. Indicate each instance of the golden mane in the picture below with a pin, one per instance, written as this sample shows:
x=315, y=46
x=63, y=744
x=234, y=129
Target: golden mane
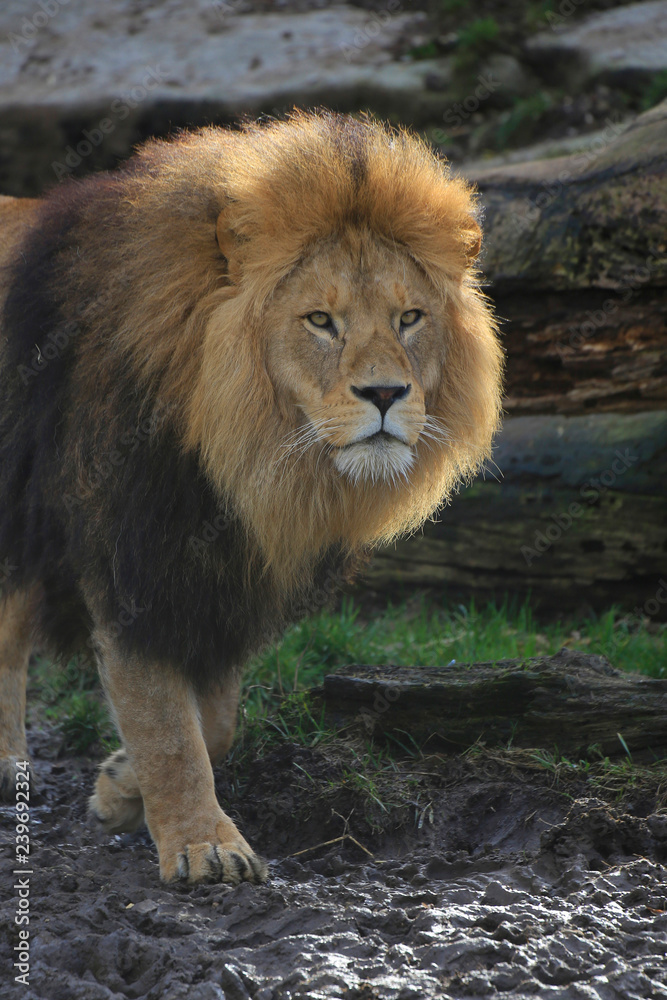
x=194, y=325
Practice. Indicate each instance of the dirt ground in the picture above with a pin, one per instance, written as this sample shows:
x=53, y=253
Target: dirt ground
x=496, y=881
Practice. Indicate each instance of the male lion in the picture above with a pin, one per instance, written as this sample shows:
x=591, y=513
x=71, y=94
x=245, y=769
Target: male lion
x=226, y=371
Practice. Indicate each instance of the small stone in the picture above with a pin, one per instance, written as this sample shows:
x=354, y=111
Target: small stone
x=68, y=883
x=146, y=906
x=506, y=78
x=233, y=985
x=499, y=895
x=207, y=991
x=657, y=824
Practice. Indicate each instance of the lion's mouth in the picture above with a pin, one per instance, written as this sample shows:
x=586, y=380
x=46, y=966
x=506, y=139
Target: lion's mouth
x=380, y=457
x=377, y=439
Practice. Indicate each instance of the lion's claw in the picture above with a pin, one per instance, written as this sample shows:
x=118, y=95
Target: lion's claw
x=214, y=863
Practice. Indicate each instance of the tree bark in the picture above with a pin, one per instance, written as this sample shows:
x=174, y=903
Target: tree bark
x=570, y=702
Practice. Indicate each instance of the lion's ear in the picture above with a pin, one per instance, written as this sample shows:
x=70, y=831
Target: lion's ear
x=473, y=240
x=228, y=242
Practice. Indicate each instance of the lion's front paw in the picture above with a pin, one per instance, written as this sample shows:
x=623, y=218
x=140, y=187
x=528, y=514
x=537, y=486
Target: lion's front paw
x=223, y=857
x=116, y=801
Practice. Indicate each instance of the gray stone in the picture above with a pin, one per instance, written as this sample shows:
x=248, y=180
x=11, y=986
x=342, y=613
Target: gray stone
x=512, y=79
x=80, y=84
x=625, y=46
x=587, y=146
x=206, y=991
x=207, y=51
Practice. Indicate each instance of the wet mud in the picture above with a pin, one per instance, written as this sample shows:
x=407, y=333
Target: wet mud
x=494, y=882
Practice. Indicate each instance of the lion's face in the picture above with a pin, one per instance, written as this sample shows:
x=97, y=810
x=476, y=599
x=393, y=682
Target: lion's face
x=356, y=343
x=345, y=374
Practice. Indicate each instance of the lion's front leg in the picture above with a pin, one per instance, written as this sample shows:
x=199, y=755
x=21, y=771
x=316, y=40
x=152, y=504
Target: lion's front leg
x=158, y=717
x=117, y=801
x=16, y=641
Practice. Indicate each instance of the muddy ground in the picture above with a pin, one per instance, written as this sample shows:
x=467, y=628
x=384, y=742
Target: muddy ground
x=494, y=880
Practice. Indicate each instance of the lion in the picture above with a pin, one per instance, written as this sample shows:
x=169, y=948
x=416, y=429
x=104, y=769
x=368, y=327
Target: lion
x=228, y=370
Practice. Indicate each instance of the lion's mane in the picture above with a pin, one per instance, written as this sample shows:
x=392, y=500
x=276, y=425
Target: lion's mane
x=139, y=458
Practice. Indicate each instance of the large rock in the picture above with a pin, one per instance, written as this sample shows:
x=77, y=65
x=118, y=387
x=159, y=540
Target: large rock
x=122, y=71
x=626, y=46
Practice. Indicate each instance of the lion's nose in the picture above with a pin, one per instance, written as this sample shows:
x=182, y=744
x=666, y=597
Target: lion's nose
x=382, y=396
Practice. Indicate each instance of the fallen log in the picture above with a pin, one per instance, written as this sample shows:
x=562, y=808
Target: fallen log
x=572, y=514
x=570, y=702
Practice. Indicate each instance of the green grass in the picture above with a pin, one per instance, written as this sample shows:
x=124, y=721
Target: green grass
x=537, y=14
x=71, y=697
x=422, y=632
x=612, y=780
x=426, y=633
x=479, y=34
x=520, y=120
x=655, y=92
x=453, y=6
x=360, y=774
x=429, y=50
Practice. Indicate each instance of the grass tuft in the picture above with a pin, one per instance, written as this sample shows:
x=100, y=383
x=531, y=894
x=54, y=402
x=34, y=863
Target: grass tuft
x=71, y=698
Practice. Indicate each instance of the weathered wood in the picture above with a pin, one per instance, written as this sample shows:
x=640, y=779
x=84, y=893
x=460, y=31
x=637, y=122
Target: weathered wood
x=575, y=518
x=571, y=701
x=575, y=253
x=587, y=351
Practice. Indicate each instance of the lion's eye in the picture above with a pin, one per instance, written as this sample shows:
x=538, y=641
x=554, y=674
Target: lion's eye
x=320, y=319
x=410, y=317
